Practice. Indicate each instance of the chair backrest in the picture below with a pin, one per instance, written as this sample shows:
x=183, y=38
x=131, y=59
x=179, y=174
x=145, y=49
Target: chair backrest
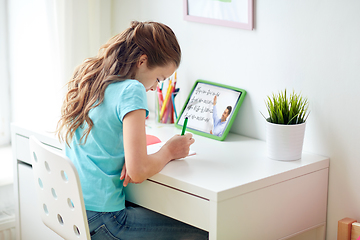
x=60, y=198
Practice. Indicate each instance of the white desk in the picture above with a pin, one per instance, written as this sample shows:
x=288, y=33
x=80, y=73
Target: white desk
x=230, y=188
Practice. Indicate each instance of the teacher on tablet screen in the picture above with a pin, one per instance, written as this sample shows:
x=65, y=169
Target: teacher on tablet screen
x=219, y=123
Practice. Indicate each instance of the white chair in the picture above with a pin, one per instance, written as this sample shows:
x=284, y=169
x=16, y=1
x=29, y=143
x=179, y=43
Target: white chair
x=59, y=193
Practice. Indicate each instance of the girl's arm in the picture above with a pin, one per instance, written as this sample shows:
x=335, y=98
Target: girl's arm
x=138, y=165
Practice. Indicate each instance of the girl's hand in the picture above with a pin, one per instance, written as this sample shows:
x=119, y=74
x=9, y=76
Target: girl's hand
x=179, y=146
x=124, y=176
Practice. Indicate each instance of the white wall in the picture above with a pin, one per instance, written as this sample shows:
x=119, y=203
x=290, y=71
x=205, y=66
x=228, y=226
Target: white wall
x=309, y=46
x=35, y=85
x=4, y=77
x=48, y=39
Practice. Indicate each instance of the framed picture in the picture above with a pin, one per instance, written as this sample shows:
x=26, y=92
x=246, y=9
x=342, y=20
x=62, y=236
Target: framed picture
x=211, y=109
x=231, y=13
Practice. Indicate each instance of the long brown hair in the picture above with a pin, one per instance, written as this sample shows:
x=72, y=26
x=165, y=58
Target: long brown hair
x=116, y=61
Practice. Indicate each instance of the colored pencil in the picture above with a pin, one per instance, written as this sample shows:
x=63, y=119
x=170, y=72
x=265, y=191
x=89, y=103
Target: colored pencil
x=167, y=96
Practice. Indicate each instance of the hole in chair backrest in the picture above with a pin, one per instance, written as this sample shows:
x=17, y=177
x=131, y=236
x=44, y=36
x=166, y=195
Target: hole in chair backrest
x=45, y=209
x=64, y=176
x=76, y=231
x=54, y=193
x=60, y=219
x=35, y=157
x=47, y=167
x=40, y=183
x=70, y=204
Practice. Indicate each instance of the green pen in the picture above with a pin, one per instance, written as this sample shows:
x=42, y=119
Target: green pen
x=184, y=126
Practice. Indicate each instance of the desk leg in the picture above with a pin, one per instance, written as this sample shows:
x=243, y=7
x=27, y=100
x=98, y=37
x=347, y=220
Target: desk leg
x=213, y=221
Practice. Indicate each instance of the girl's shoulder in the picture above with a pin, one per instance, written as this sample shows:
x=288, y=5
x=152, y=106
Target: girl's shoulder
x=119, y=91
x=126, y=84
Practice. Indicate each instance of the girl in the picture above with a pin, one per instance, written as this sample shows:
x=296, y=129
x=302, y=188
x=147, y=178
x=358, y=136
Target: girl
x=103, y=124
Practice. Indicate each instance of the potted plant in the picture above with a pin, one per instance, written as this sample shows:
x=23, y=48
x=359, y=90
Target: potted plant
x=285, y=126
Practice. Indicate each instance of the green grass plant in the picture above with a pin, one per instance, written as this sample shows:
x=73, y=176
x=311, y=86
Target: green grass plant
x=287, y=109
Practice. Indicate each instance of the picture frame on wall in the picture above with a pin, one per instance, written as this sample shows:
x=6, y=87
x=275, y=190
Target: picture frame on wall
x=230, y=13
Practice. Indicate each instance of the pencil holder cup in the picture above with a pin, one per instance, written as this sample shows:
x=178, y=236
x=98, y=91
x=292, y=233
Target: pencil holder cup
x=164, y=114
x=165, y=110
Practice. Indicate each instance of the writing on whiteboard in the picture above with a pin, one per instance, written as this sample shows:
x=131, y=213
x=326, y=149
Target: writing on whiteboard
x=199, y=108
x=197, y=118
x=201, y=102
x=207, y=92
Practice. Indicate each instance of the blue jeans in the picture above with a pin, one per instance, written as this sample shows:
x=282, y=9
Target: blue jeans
x=135, y=222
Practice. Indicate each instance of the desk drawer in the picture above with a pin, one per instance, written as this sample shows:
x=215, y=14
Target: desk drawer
x=170, y=202
x=23, y=149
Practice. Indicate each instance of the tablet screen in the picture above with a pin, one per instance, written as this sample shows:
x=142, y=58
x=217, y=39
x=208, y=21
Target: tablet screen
x=211, y=109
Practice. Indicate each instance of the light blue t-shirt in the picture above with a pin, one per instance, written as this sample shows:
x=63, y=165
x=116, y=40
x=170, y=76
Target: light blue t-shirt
x=100, y=160
x=219, y=126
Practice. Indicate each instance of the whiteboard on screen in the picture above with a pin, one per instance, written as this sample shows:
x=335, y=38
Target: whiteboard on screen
x=207, y=106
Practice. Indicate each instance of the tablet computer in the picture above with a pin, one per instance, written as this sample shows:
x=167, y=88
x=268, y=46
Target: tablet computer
x=211, y=109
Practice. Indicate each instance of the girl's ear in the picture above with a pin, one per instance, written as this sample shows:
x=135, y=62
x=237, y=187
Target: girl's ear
x=142, y=60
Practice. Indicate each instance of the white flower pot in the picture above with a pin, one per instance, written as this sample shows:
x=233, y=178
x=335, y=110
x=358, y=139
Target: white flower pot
x=284, y=142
